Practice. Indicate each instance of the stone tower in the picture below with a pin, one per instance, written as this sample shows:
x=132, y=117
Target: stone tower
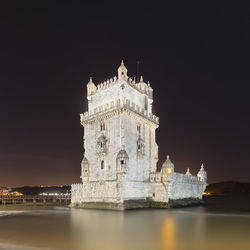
x=119, y=138
x=118, y=169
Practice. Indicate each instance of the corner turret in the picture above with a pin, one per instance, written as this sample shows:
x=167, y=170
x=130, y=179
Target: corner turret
x=167, y=166
x=188, y=172
x=202, y=176
x=122, y=72
x=91, y=88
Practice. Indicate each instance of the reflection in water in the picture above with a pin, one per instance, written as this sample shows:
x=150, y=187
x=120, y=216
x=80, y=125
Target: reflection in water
x=95, y=229
x=169, y=234
x=174, y=229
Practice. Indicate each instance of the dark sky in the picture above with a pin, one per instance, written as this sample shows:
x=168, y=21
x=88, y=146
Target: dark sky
x=197, y=58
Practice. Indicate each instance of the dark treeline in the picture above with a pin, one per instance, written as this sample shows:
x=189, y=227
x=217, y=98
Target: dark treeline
x=229, y=187
x=35, y=190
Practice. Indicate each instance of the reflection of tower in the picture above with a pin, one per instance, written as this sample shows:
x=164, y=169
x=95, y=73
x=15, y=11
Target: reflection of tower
x=92, y=230
x=169, y=234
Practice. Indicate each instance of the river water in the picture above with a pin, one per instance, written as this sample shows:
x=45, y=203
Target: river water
x=222, y=223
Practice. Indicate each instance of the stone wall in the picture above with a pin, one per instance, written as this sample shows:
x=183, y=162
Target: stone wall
x=183, y=186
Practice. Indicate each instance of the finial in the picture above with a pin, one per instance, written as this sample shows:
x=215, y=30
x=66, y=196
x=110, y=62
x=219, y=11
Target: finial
x=122, y=63
x=188, y=172
x=90, y=80
x=167, y=157
x=141, y=79
x=202, y=166
x=148, y=84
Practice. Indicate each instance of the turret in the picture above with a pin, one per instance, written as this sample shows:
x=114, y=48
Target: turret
x=150, y=91
x=122, y=72
x=167, y=166
x=188, y=172
x=202, y=176
x=91, y=88
x=142, y=85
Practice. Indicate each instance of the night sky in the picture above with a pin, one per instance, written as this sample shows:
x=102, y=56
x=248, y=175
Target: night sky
x=196, y=57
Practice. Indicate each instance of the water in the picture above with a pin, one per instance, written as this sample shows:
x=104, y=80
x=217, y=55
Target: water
x=222, y=223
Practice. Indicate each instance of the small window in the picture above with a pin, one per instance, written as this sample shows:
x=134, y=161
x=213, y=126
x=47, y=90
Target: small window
x=102, y=164
x=122, y=162
x=153, y=194
x=139, y=128
x=102, y=126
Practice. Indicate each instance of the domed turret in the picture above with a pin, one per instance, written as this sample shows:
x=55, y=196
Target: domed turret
x=202, y=174
x=142, y=85
x=91, y=88
x=167, y=166
x=150, y=91
x=188, y=172
x=122, y=72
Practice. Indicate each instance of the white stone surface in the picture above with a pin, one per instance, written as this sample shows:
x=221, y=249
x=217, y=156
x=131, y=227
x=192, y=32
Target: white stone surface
x=121, y=153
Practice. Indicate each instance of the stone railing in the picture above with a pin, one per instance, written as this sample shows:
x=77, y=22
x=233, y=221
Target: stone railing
x=119, y=103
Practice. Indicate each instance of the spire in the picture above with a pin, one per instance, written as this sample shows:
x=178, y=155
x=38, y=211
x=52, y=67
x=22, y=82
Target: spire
x=167, y=157
x=91, y=88
x=90, y=81
x=141, y=79
x=148, y=84
x=122, y=72
x=202, y=167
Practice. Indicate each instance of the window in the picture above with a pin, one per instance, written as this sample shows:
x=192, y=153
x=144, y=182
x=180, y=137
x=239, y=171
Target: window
x=102, y=126
x=102, y=164
x=153, y=194
x=139, y=128
x=122, y=162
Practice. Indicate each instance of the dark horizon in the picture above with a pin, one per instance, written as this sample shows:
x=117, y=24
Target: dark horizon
x=195, y=57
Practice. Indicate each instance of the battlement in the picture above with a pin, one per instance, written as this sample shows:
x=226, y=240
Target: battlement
x=114, y=105
x=112, y=81
x=159, y=177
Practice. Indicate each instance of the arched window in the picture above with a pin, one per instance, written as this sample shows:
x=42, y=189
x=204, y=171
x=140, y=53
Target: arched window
x=102, y=164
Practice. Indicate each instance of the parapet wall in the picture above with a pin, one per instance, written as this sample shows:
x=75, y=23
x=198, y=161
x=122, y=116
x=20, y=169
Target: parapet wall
x=105, y=191
x=184, y=186
x=113, y=105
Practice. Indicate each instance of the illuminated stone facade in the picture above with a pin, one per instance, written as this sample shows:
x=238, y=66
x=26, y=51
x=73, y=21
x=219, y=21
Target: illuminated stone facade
x=120, y=159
